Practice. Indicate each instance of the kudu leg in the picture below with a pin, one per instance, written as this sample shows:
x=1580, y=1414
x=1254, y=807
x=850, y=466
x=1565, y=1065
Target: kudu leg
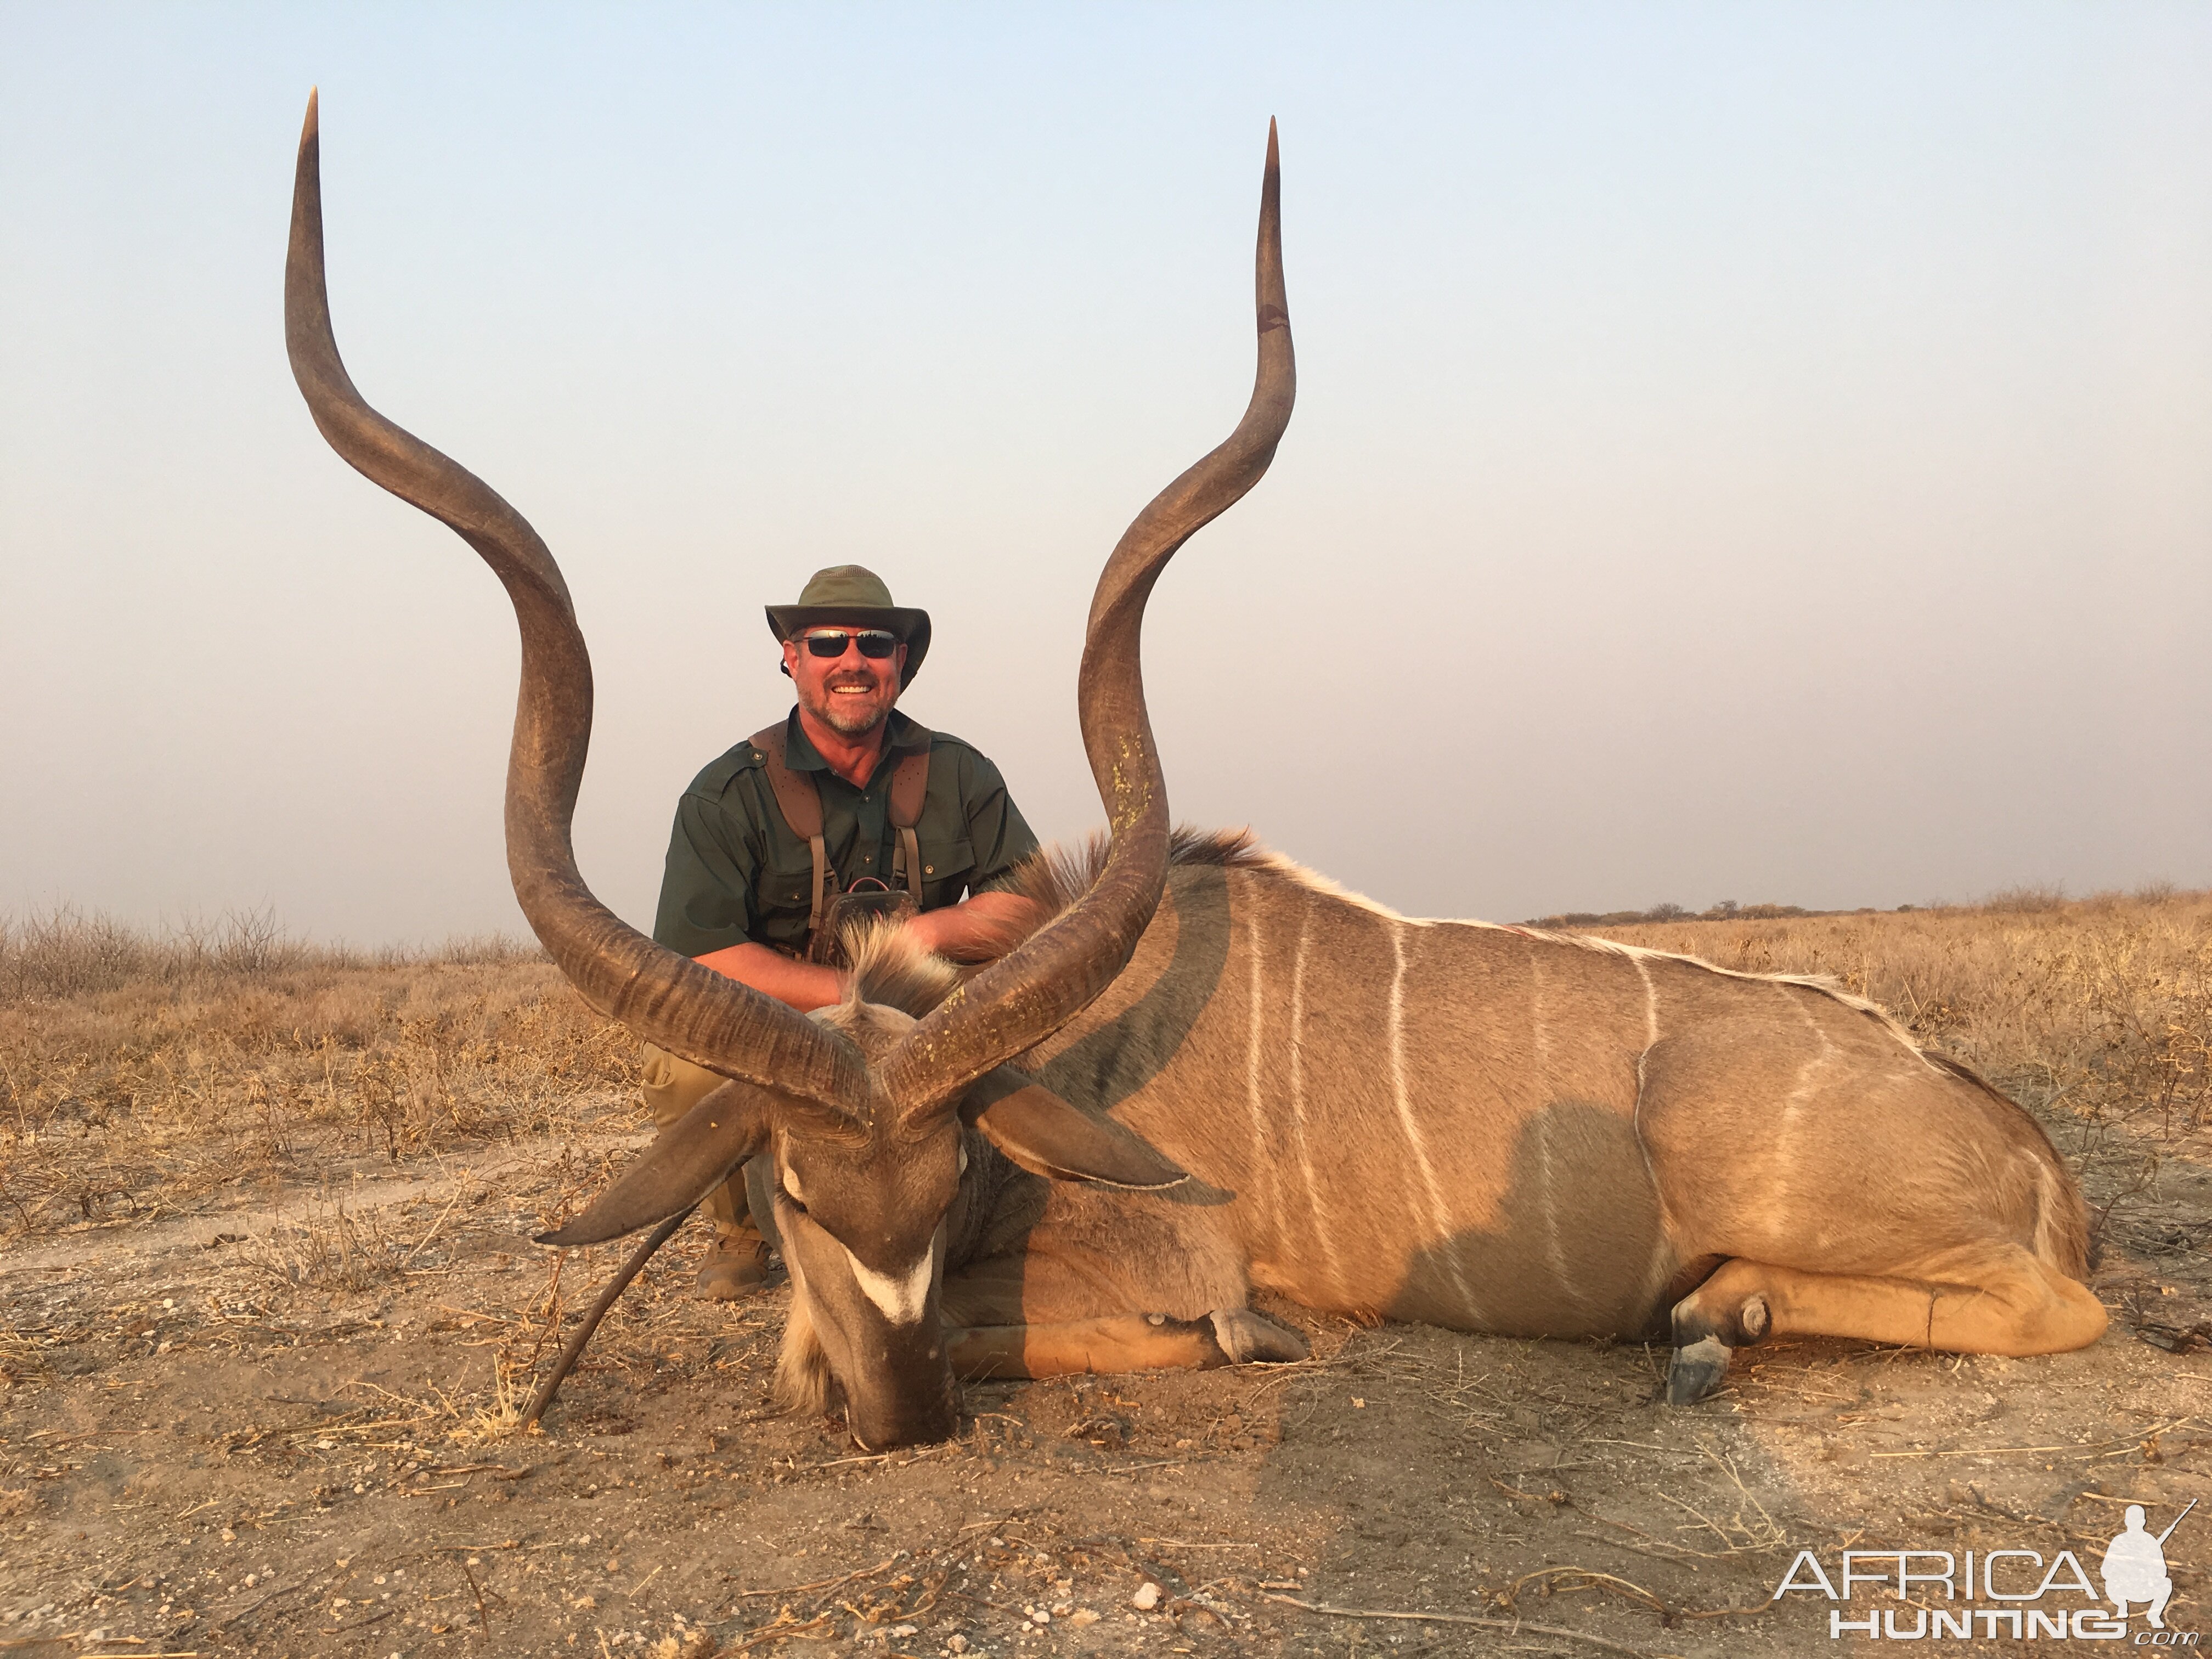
x=1120, y=1342
x=1998, y=1299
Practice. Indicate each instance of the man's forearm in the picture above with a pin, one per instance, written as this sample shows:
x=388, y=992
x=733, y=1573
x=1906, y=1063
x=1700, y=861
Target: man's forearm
x=975, y=930
x=979, y=928
x=803, y=985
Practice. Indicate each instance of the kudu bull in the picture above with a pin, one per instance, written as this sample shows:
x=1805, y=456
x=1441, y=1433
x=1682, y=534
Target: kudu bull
x=1270, y=1083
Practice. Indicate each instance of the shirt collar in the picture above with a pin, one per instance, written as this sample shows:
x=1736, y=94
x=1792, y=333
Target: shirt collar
x=800, y=754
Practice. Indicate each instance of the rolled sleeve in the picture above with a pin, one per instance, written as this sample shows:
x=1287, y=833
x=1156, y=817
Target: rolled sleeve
x=996, y=830
x=707, y=888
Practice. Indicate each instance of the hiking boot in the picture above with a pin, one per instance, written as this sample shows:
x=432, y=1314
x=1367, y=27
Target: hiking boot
x=735, y=1268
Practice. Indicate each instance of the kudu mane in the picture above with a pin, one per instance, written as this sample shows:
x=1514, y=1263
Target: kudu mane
x=891, y=970
x=888, y=969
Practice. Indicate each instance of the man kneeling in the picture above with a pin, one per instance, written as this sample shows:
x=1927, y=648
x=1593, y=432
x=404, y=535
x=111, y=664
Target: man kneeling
x=845, y=796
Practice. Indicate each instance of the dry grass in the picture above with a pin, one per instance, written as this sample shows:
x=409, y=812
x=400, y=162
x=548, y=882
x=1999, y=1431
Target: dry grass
x=2097, y=1012
x=64, y=952
x=327, y=1249
x=139, y=1074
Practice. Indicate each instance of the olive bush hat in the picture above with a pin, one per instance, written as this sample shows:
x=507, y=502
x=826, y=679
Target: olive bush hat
x=849, y=596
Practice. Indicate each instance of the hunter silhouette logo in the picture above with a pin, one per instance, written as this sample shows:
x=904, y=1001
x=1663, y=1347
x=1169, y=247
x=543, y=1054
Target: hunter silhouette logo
x=1998, y=1595
x=2134, y=1567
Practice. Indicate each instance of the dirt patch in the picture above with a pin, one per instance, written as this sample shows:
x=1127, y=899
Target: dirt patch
x=210, y=1450
x=350, y=1202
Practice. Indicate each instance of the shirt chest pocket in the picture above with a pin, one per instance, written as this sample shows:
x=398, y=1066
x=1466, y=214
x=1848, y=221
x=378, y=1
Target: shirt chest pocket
x=785, y=885
x=944, y=868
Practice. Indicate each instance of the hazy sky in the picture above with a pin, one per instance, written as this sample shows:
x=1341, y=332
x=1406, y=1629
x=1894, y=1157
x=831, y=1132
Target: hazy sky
x=1755, y=451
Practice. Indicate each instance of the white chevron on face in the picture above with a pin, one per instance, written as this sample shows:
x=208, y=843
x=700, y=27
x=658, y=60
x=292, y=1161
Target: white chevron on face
x=900, y=1295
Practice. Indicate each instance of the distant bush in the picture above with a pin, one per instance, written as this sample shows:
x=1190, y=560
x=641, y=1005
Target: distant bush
x=64, y=952
x=2028, y=899
x=1726, y=910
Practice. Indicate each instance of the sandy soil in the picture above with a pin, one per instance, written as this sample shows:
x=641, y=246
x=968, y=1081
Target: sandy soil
x=279, y=1427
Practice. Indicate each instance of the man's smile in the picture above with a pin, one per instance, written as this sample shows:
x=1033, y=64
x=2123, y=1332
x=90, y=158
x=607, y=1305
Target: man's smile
x=849, y=698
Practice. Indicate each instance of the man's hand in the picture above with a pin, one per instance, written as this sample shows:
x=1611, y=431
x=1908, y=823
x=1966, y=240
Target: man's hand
x=977, y=929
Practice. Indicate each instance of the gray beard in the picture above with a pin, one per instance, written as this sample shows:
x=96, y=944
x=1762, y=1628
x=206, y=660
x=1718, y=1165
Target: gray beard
x=845, y=723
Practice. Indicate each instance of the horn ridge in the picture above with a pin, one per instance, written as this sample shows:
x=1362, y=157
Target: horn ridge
x=666, y=998
x=1057, y=971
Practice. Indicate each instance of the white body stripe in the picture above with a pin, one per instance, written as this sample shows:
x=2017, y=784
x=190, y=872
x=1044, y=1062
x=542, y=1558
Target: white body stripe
x=1555, y=1255
x=1439, y=1212
x=1650, y=1004
x=1298, y=1102
x=1256, y=1018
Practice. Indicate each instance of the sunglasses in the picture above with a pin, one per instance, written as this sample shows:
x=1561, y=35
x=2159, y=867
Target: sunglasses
x=875, y=644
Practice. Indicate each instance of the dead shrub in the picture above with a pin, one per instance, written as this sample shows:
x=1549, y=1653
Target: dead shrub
x=2027, y=899
x=327, y=1250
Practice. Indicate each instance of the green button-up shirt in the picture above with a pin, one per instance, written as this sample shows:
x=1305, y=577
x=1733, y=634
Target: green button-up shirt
x=737, y=873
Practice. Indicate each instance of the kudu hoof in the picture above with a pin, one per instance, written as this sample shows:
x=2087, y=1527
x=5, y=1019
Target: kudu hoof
x=1245, y=1337
x=1697, y=1371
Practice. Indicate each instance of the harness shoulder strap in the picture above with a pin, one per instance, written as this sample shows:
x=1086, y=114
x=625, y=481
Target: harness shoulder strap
x=800, y=802
x=909, y=786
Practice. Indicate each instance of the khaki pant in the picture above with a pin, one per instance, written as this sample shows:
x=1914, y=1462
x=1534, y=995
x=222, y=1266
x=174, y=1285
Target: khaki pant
x=672, y=1087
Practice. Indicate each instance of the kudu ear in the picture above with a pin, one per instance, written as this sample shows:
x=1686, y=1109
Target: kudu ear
x=1047, y=1137
x=693, y=1155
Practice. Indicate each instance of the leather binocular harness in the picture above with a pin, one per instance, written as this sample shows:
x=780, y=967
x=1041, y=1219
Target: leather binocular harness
x=800, y=799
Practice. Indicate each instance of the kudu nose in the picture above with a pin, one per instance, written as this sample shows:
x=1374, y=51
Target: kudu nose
x=906, y=1423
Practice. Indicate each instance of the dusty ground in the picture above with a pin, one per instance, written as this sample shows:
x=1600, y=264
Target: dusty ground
x=203, y=1455
x=262, y=1407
